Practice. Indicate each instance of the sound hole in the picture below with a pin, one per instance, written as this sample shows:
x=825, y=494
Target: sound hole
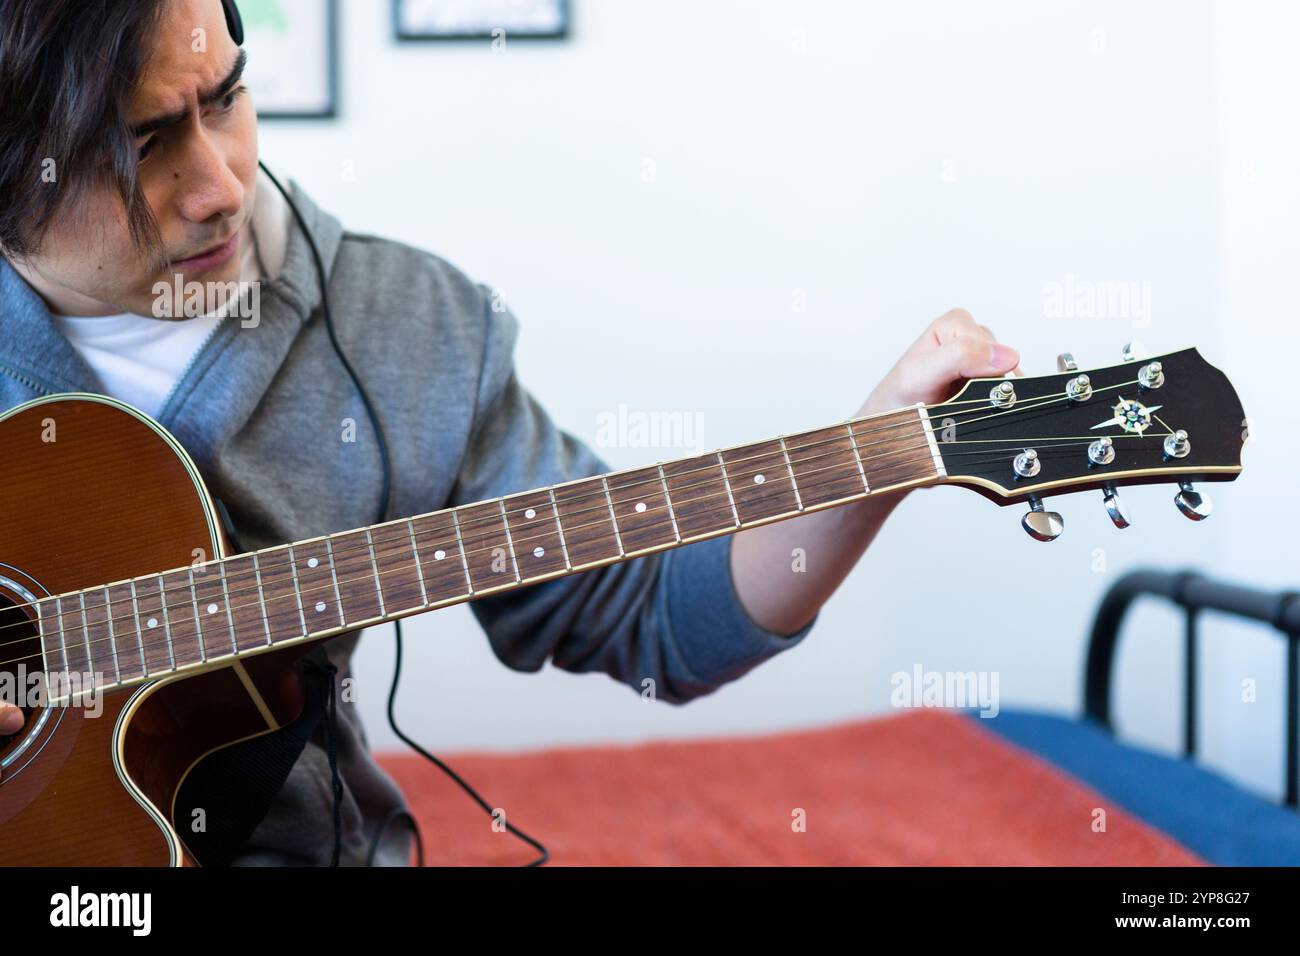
x=21, y=678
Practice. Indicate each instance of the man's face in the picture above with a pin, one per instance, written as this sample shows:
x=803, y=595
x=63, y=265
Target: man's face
x=198, y=173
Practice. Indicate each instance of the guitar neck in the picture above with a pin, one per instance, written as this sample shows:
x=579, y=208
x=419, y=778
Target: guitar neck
x=203, y=615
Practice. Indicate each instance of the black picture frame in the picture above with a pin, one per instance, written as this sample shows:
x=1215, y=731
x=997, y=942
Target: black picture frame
x=331, y=111
x=402, y=36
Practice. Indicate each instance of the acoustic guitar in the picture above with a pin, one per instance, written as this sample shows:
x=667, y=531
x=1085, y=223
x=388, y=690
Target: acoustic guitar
x=118, y=588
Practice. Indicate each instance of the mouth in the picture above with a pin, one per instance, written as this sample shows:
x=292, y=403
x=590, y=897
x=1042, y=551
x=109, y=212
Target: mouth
x=209, y=258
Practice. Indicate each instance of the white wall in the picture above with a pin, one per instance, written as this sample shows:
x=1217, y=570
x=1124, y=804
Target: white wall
x=880, y=162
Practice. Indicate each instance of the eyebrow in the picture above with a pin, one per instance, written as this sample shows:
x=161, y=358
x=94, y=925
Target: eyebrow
x=205, y=99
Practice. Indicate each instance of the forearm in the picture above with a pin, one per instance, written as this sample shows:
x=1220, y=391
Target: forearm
x=785, y=572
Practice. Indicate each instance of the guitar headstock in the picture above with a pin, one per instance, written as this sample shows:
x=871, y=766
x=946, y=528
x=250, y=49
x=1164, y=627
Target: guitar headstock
x=1170, y=418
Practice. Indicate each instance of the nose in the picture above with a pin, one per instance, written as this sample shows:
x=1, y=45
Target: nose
x=209, y=191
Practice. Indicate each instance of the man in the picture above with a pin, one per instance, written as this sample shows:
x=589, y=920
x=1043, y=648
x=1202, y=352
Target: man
x=119, y=174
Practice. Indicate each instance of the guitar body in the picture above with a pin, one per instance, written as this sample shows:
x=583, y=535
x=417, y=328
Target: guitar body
x=95, y=492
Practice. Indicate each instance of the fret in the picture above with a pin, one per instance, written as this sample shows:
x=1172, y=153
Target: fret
x=216, y=630
x=825, y=466
x=857, y=455
x=98, y=628
x=198, y=630
x=261, y=600
x=460, y=545
x=122, y=620
x=239, y=574
x=640, y=510
x=668, y=499
x=731, y=497
x=374, y=567
x=794, y=485
x=278, y=590
x=54, y=658
x=759, y=484
x=147, y=592
x=297, y=588
x=438, y=546
x=100, y=652
x=354, y=570
x=928, y=427
x=419, y=572
x=510, y=544
x=320, y=595
x=701, y=504
x=895, y=450
x=401, y=585
x=613, y=519
x=487, y=546
x=182, y=617
x=533, y=527
x=559, y=529
x=230, y=616
x=585, y=515
x=75, y=650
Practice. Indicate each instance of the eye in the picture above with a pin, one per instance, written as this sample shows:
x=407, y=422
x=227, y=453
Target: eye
x=230, y=99
x=146, y=147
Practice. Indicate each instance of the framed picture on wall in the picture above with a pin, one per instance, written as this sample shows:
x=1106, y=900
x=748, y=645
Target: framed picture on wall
x=292, y=57
x=480, y=19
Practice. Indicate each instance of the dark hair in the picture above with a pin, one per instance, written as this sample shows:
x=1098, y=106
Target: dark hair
x=68, y=71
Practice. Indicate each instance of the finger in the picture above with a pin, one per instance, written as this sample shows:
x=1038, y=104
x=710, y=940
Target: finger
x=11, y=719
x=966, y=356
x=944, y=329
x=955, y=322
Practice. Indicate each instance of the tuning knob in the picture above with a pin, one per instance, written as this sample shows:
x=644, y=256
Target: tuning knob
x=1102, y=451
x=1192, y=503
x=1039, y=524
x=1177, y=445
x=1133, y=351
x=1114, y=507
x=1065, y=363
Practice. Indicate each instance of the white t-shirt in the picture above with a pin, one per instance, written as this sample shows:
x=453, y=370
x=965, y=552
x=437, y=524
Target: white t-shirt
x=139, y=359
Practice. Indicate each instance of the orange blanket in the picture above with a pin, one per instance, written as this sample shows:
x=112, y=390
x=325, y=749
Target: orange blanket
x=924, y=787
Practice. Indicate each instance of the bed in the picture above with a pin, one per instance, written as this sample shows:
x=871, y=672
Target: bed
x=919, y=787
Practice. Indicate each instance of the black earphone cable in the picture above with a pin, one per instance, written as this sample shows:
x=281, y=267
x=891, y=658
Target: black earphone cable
x=397, y=625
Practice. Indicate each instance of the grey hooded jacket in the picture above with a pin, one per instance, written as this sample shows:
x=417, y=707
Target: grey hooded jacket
x=261, y=410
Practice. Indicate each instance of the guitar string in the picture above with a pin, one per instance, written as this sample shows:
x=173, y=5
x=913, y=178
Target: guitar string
x=849, y=469
x=494, y=520
x=490, y=521
x=168, y=642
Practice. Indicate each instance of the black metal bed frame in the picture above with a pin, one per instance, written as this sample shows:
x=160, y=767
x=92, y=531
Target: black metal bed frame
x=1195, y=593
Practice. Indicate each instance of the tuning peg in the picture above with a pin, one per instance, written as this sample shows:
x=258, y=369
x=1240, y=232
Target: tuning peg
x=1039, y=524
x=1065, y=363
x=1133, y=351
x=1114, y=507
x=1192, y=503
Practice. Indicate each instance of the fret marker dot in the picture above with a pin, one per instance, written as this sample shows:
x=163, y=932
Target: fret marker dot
x=439, y=555
x=312, y=562
x=538, y=552
x=759, y=479
x=152, y=622
x=320, y=606
x=640, y=506
x=530, y=513
x=212, y=609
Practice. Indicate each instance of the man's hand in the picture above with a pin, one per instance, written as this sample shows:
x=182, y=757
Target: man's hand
x=953, y=348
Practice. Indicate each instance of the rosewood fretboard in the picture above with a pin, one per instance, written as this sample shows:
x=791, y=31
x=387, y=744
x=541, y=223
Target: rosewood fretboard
x=205, y=614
